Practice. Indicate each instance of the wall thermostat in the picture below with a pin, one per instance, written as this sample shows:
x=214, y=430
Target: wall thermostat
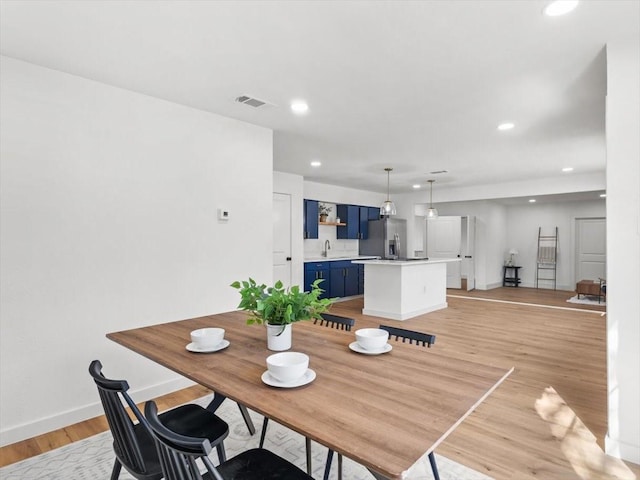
x=223, y=214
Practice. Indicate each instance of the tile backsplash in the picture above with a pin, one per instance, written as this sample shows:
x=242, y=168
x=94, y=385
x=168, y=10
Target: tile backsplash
x=313, y=247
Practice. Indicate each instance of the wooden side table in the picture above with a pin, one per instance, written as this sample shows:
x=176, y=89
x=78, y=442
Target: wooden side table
x=511, y=276
x=589, y=287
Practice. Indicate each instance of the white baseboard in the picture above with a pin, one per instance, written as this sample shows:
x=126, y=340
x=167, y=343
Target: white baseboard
x=625, y=451
x=79, y=414
x=488, y=286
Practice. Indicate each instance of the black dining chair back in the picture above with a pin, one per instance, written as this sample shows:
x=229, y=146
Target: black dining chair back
x=334, y=321
x=132, y=442
x=339, y=323
x=178, y=455
x=426, y=339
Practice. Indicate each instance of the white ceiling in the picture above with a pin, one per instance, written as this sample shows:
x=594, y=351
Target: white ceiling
x=416, y=86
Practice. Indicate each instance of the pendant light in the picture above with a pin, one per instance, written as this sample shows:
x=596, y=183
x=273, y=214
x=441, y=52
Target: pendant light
x=388, y=207
x=432, y=212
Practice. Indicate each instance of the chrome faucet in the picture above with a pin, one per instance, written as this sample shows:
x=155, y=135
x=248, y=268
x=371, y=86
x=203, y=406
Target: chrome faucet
x=327, y=247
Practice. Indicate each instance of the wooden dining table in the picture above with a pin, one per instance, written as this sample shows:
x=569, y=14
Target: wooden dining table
x=385, y=412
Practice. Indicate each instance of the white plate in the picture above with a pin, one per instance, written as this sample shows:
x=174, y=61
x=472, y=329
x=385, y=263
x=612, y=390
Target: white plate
x=308, y=377
x=355, y=346
x=221, y=346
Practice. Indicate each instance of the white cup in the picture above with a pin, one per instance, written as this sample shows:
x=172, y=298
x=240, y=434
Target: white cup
x=287, y=366
x=372, y=338
x=207, y=337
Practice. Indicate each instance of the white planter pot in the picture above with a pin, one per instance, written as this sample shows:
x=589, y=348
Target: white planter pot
x=278, y=339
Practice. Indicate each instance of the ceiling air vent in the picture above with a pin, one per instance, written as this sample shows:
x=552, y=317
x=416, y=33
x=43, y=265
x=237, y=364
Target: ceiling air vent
x=252, y=102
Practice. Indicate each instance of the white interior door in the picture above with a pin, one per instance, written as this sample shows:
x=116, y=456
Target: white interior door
x=591, y=248
x=469, y=257
x=444, y=240
x=282, y=238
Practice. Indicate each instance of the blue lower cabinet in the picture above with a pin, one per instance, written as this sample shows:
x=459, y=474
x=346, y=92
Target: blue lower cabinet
x=344, y=279
x=360, y=279
x=314, y=271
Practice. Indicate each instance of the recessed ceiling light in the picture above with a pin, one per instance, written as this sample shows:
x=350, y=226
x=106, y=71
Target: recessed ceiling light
x=567, y=169
x=299, y=107
x=603, y=195
x=532, y=200
x=316, y=163
x=560, y=7
x=416, y=186
x=506, y=126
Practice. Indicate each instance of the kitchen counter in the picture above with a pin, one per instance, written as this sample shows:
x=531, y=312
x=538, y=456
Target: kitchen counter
x=403, y=289
x=405, y=261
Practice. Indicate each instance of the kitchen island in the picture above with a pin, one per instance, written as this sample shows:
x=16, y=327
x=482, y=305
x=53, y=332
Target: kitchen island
x=403, y=289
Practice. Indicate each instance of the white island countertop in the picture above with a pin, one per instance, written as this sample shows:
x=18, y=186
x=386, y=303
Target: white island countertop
x=410, y=261
x=402, y=289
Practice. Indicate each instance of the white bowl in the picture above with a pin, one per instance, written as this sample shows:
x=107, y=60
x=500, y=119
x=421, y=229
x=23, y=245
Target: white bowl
x=287, y=366
x=372, y=338
x=207, y=337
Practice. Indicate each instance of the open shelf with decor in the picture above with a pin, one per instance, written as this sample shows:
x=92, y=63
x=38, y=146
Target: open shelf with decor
x=334, y=224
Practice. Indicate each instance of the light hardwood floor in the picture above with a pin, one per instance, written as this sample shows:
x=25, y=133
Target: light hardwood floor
x=547, y=420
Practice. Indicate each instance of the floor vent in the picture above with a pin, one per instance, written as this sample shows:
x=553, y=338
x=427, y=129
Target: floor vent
x=251, y=101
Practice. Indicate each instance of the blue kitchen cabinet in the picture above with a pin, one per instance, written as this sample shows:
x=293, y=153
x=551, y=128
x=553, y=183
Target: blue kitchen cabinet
x=357, y=219
x=374, y=213
x=349, y=214
x=363, y=222
x=315, y=270
x=344, y=279
x=310, y=218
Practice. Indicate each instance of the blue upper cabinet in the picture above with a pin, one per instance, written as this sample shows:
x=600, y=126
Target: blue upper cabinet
x=349, y=214
x=310, y=220
x=364, y=222
x=357, y=219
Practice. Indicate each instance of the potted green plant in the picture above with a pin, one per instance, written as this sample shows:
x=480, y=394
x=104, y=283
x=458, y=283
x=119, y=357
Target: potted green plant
x=279, y=307
x=324, y=210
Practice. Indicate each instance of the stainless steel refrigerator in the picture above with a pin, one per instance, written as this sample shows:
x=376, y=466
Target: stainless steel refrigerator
x=387, y=238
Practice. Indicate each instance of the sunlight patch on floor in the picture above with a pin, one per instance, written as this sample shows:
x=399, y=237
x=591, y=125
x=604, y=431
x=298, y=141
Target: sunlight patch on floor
x=577, y=443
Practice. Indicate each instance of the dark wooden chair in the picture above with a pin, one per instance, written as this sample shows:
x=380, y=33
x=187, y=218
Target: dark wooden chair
x=334, y=321
x=339, y=323
x=178, y=455
x=133, y=443
x=426, y=339
x=400, y=333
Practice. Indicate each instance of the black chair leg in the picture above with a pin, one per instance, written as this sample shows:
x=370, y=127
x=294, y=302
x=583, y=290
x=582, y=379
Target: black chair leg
x=327, y=467
x=247, y=419
x=222, y=455
x=265, y=423
x=434, y=467
x=339, y=466
x=115, y=473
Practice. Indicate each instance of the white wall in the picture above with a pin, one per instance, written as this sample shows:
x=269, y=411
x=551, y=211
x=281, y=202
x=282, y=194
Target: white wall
x=522, y=234
x=290, y=184
x=108, y=222
x=623, y=248
x=491, y=233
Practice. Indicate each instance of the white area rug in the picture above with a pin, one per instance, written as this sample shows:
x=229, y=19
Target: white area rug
x=587, y=300
x=92, y=458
